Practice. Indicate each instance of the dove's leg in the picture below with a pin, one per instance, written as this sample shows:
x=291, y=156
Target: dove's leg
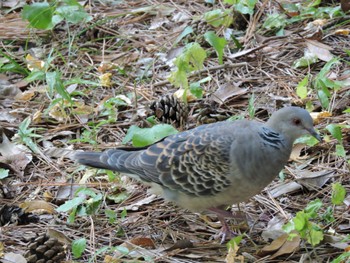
x=225, y=232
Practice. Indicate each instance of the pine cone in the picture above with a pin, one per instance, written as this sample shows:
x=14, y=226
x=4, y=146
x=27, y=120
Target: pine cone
x=15, y=215
x=169, y=109
x=44, y=249
x=206, y=113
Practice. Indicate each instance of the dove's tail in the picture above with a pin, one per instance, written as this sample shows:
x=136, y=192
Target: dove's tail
x=110, y=159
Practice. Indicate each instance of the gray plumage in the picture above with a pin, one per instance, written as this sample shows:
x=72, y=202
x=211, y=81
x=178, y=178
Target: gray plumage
x=212, y=165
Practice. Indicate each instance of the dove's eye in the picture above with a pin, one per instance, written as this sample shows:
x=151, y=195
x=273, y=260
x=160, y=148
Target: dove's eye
x=296, y=121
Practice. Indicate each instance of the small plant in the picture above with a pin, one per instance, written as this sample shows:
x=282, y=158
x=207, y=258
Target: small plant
x=189, y=60
x=336, y=132
x=86, y=202
x=308, y=222
x=27, y=135
x=46, y=15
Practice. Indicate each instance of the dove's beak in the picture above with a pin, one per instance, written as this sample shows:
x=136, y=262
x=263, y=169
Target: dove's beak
x=315, y=134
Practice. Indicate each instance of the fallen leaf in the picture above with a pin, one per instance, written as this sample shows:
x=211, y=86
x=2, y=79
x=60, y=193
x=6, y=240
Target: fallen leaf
x=143, y=242
x=342, y=32
x=34, y=63
x=296, y=152
x=37, y=206
x=319, y=116
x=285, y=188
x=320, y=50
x=61, y=237
x=13, y=257
x=227, y=91
x=274, y=228
x=313, y=180
x=289, y=247
x=105, y=80
x=180, y=94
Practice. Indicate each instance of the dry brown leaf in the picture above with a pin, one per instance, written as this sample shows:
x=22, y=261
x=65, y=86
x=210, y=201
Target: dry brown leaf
x=61, y=237
x=38, y=206
x=13, y=257
x=37, y=117
x=58, y=113
x=296, y=152
x=320, y=50
x=2, y=249
x=110, y=259
x=274, y=228
x=143, y=242
x=342, y=32
x=34, y=63
x=180, y=244
x=105, y=80
x=274, y=246
x=289, y=247
x=48, y=196
x=319, y=116
x=16, y=156
x=313, y=180
x=227, y=91
x=135, y=206
x=281, y=246
x=285, y=188
x=25, y=96
x=180, y=93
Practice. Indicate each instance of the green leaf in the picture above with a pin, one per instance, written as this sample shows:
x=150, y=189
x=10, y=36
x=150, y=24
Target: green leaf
x=322, y=95
x=196, y=90
x=347, y=110
x=39, y=15
x=112, y=216
x=308, y=140
x=338, y=193
x=289, y=227
x=340, y=151
x=35, y=75
x=305, y=61
x=73, y=12
x=130, y=133
x=335, y=130
x=148, y=136
x=300, y=221
x=275, y=21
x=78, y=247
x=302, y=88
x=315, y=235
x=68, y=205
x=313, y=207
x=344, y=257
x=54, y=81
x=251, y=107
x=219, y=17
x=218, y=43
x=188, y=30
x=192, y=58
x=245, y=6
x=234, y=241
x=3, y=173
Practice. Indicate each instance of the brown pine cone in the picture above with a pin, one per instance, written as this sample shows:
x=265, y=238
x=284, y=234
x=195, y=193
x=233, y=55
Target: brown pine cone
x=169, y=109
x=44, y=249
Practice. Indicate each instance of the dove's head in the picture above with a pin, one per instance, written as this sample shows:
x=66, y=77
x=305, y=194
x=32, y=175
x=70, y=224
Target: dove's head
x=293, y=122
